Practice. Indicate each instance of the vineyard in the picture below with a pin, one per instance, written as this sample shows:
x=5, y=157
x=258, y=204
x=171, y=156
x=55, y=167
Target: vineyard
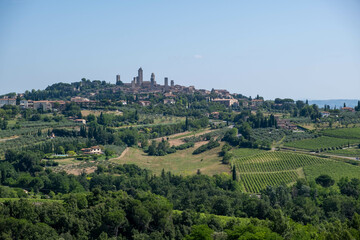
x=258, y=181
x=334, y=169
x=350, y=152
x=353, y=133
x=321, y=142
x=273, y=168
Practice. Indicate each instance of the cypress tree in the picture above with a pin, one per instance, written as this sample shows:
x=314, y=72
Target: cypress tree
x=234, y=177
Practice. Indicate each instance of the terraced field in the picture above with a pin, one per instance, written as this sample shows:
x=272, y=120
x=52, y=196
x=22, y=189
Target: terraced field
x=273, y=168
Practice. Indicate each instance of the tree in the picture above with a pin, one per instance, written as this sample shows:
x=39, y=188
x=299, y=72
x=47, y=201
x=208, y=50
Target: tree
x=325, y=180
x=200, y=232
x=18, y=99
x=234, y=177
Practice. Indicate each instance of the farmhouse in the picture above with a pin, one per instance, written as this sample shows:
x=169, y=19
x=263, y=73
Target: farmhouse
x=325, y=114
x=285, y=124
x=92, y=150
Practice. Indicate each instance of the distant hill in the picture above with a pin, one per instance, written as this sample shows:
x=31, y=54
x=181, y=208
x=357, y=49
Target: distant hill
x=335, y=102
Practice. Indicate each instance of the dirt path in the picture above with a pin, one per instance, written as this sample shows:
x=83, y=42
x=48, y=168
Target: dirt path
x=122, y=154
x=9, y=138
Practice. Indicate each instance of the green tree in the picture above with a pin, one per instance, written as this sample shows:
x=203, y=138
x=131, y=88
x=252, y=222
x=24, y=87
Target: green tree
x=325, y=180
x=200, y=232
x=234, y=177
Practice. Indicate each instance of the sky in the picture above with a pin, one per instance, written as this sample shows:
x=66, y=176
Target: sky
x=301, y=49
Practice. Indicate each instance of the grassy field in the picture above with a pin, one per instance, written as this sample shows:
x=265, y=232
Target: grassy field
x=334, y=169
x=272, y=168
x=321, y=142
x=182, y=162
x=353, y=133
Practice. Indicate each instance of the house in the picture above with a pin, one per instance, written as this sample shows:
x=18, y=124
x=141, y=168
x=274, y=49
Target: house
x=325, y=114
x=215, y=115
x=285, y=124
x=7, y=101
x=349, y=109
x=83, y=121
x=169, y=95
x=123, y=102
x=24, y=104
x=144, y=103
x=226, y=102
x=44, y=105
x=169, y=101
x=92, y=150
x=245, y=103
x=257, y=102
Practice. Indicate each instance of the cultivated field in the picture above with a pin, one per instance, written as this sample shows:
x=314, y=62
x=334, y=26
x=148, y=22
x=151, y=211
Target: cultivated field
x=334, y=169
x=353, y=133
x=321, y=142
x=349, y=152
x=272, y=168
x=181, y=162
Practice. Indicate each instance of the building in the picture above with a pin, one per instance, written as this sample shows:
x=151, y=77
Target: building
x=118, y=81
x=325, y=114
x=152, y=80
x=123, y=102
x=166, y=84
x=24, y=104
x=215, y=115
x=144, y=103
x=257, y=102
x=79, y=99
x=92, y=150
x=349, y=109
x=285, y=124
x=44, y=105
x=140, y=77
x=83, y=121
x=172, y=83
x=7, y=101
x=169, y=101
x=226, y=102
x=169, y=95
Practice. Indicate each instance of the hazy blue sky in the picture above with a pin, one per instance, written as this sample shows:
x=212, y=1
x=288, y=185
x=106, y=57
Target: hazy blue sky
x=299, y=49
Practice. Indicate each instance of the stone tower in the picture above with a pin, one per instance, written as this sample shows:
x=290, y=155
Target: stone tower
x=140, y=77
x=118, y=81
x=166, y=84
x=152, y=80
x=172, y=83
